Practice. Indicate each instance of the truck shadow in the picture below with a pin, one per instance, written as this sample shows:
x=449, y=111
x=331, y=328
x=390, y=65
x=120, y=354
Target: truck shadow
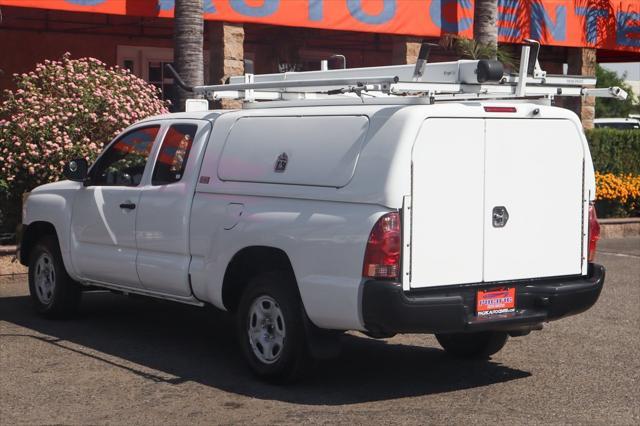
x=170, y=343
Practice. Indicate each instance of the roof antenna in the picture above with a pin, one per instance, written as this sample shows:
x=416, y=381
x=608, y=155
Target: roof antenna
x=423, y=57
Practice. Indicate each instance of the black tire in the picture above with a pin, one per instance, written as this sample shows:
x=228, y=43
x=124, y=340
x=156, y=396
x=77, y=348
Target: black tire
x=61, y=297
x=479, y=345
x=292, y=360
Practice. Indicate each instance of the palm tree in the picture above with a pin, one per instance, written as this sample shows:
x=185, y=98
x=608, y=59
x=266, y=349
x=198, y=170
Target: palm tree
x=188, y=46
x=470, y=49
x=485, y=28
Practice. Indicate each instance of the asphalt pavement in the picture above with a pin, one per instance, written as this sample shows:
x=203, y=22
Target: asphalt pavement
x=127, y=360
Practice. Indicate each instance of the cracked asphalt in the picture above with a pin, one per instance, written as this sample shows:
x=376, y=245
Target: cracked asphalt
x=126, y=360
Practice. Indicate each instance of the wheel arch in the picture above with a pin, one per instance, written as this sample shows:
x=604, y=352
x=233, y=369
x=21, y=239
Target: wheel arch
x=31, y=234
x=245, y=264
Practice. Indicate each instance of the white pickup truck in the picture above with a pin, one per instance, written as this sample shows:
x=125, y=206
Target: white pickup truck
x=472, y=220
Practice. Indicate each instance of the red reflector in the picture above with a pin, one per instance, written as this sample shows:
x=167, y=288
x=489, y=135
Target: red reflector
x=500, y=109
x=382, y=255
x=594, y=232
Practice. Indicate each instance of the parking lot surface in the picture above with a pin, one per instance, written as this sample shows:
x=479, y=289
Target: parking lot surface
x=126, y=360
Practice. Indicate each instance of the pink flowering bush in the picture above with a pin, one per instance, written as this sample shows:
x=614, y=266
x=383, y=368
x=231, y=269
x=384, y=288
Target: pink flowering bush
x=62, y=110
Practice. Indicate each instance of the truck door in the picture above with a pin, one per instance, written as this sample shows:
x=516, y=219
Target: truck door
x=104, y=212
x=162, y=228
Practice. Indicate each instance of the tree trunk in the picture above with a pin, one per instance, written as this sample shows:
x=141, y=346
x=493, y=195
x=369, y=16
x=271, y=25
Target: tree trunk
x=485, y=16
x=188, y=46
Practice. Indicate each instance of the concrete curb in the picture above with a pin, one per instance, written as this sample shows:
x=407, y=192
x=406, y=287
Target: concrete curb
x=4, y=250
x=620, y=227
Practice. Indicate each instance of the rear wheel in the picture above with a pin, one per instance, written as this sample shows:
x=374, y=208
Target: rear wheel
x=271, y=330
x=53, y=292
x=473, y=345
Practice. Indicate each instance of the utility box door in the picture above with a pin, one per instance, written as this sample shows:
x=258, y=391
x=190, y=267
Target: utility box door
x=299, y=150
x=447, y=203
x=534, y=172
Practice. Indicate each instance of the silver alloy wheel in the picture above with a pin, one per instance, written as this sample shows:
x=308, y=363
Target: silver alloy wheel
x=44, y=278
x=266, y=329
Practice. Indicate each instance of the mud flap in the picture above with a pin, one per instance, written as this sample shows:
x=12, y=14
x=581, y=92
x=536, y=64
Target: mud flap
x=322, y=344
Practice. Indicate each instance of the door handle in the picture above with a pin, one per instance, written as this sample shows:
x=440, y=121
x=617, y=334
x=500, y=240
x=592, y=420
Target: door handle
x=129, y=206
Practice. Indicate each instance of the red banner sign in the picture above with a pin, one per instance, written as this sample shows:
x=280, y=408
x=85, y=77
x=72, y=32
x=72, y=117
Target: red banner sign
x=613, y=24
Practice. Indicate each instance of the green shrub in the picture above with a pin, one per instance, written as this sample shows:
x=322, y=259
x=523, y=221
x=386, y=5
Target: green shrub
x=61, y=110
x=615, y=151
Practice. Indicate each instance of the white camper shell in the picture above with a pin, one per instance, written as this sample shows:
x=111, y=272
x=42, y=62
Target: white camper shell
x=367, y=203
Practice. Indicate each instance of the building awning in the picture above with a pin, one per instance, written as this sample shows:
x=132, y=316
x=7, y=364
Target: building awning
x=611, y=25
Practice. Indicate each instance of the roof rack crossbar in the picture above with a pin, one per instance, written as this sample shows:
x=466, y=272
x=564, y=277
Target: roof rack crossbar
x=441, y=81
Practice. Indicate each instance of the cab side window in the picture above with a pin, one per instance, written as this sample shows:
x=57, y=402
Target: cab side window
x=174, y=153
x=124, y=161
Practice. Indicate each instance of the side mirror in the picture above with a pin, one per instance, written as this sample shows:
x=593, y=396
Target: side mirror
x=76, y=169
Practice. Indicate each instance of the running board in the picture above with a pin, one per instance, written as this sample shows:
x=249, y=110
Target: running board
x=141, y=292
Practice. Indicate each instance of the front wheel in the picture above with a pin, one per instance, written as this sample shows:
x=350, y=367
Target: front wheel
x=53, y=292
x=477, y=345
x=271, y=329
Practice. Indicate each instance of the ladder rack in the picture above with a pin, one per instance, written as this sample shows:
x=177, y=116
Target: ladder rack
x=430, y=82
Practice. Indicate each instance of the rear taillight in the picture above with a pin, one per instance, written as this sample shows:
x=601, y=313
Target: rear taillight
x=382, y=256
x=594, y=232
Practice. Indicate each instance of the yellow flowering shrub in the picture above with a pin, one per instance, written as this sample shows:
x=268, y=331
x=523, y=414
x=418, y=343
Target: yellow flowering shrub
x=617, y=194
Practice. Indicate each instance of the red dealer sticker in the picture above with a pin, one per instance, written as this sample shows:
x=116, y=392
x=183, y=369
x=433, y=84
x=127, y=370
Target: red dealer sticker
x=496, y=301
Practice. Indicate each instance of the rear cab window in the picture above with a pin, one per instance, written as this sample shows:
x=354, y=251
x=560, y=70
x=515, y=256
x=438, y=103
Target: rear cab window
x=174, y=153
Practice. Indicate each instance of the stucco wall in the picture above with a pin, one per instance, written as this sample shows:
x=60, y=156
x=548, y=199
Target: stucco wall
x=23, y=49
